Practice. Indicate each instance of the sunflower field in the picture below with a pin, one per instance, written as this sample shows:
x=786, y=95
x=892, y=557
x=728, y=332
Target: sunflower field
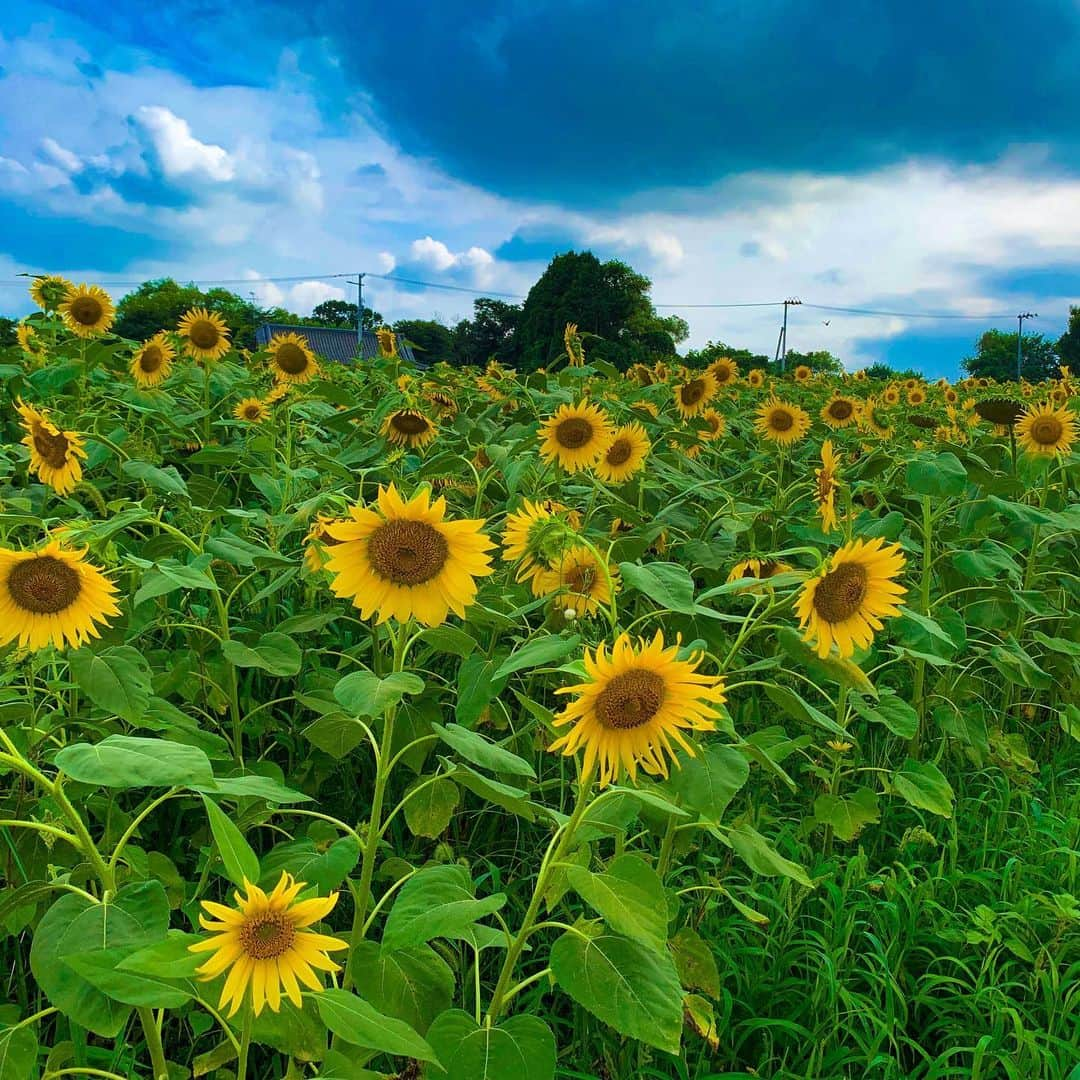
x=368, y=721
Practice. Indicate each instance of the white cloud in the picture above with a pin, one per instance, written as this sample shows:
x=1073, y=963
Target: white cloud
x=387, y=262
x=432, y=253
x=65, y=159
x=180, y=153
x=266, y=293
x=309, y=294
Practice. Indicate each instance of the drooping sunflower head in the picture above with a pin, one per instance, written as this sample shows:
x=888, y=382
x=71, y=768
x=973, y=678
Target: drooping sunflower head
x=49, y=291
x=52, y=596
x=826, y=486
x=626, y=454
x=579, y=582
x=205, y=334
x=755, y=378
x=757, y=570
x=534, y=537
x=87, y=310
x=387, y=341
x=152, y=362
x=1046, y=431
x=575, y=347
x=264, y=942
x=951, y=396
x=251, y=410
x=636, y=708
x=923, y=421
x=405, y=560
x=56, y=456
x=724, y=370
x=576, y=436
x=840, y=411
x=803, y=373
x=999, y=410
x=28, y=340
x=640, y=374
x=291, y=358
x=444, y=404
x=845, y=603
x=781, y=423
x=715, y=426
x=408, y=427
x=692, y=396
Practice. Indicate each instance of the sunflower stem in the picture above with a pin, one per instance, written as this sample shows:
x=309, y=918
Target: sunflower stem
x=153, y=1042
x=245, y=1044
x=924, y=609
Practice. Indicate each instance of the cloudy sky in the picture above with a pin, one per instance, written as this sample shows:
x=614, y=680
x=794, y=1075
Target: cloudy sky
x=907, y=157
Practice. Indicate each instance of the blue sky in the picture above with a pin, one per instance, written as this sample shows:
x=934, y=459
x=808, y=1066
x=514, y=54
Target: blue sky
x=909, y=158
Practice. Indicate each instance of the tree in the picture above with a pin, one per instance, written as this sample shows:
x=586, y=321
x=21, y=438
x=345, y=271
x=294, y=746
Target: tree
x=7, y=331
x=431, y=339
x=713, y=350
x=821, y=361
x=889, y=374
x=342, y=314
x=488, y=335
x=995, y=357
x=1068, y=345
x=610, y=304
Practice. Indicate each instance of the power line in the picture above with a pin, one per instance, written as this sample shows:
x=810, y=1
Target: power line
x=909, y=314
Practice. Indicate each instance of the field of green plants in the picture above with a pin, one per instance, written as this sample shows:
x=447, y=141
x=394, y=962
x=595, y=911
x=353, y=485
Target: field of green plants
x=370, y=721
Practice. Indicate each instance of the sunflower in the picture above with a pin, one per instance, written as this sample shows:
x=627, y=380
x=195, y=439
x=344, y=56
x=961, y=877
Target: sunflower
x=1044, y=430
x=405, y=560
x=724, y=370
x=54, y=454
x=636, y=704
x=317, y=541
x=578, y=581
x=826, y=486
x=781, y=423
x=49, y=291
x=692, y=396
x=891, y=395
x=52, y=597
x=253, y=410
x=626, y=454
x=716, y=426
x=762, y=569
x=153, y=360
x=648, y=407
x=999, y=411
x=575, y=347
x=640, y=374
x=923, y=421
x=266, y=943
x=916, y=395
x=206, y=337
x=276, y=393
x=803, y=373
x=291, y=358
x=872, y=418
x=755, y=378
x=576, y=436
x=387, y=341
x=840, y=411
x=28, y=340
x=847, y=600
x=534, y=536
x=444, y=404
x=951, y=396
x=87, y=310
x=407, y=427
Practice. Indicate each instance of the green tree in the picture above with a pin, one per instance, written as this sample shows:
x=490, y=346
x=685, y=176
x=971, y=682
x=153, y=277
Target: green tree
x=489, y=334
x=1068, y=345
x=995, y=357
x=432, y=340
x=888, y=374
x=713, y=350
x=341, y=314
x=7, y=331
x=821, y=361
x=607, y=300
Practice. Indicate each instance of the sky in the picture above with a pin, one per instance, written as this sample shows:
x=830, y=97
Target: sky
x=916, y=158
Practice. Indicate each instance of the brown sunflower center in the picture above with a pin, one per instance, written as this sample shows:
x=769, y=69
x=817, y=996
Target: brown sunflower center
x=692, y=392
x=203, y=334
x=252, y=412
x=581, y=579
x=620, y=452
x=781, y=420
x=53, y=448
x=86, y=310
x=840, y=409
x=407, y=552
x=409, y=423
x=574, y=433
x=291, y=358
x=630, y=700
x=1047, y=430
x=151, y=359
x=44, y=585
x=715, y=424
x=841, y=592
x=267, y=936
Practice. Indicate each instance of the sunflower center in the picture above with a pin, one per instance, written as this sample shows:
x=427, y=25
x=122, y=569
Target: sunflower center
x=630, y=700
x=203, y=334
x=252, y=412
x=44, y=586
x=1047, y=430
x=781, y=420
x=841, y=592
x=581, y=579
x=267, y=936
x=692, y=392
x=409, y=423
x=407, y=552
x=574, y=433
x=86, y=311
x=715, y=424
x=291, y=358
x=620, y=452
x=840, y=409
x=151, y=359
x=53, y=449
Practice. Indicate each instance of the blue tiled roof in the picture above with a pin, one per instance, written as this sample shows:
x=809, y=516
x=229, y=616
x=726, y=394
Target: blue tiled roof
x=333, y=344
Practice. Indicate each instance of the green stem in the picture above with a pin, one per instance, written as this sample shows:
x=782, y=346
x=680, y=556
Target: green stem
x=245, y=1045
x=153, y=1042
x=924, y=609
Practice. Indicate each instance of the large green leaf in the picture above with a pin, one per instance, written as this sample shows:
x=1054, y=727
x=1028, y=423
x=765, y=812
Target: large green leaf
x=794, y=705
x=891, y=710
x=847, y=815
x=629, y=986
x=363, y=693
x=429, y=805
x=628, y=895
x=116, y=679
x=273, y=652
x=707, y=783
x=414, y=984
x=760, y=855
x=128, y=761
x=241, y=863
x=519, y=1048
x=695, y=962
x=165, y=480
x=924, y=785
x=667, y=585
x=18, y=1054
x=481, y=751
x=539, y=652
x=360, y=1023
x=938, y=475
x=100, y=968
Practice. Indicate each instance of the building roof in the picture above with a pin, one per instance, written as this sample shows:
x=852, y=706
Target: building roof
x=332, y=343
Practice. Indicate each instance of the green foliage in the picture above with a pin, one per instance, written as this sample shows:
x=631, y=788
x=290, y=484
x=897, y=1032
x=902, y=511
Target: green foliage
x=995, y=357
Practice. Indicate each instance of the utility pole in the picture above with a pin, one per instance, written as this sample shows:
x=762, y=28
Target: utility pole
x=781, y=341
x=1020, y=339
x=359, y=283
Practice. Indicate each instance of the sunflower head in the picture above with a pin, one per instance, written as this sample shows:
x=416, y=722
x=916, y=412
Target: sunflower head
x=755, y=378
x=693, y=395
x=635, y=709
x=923, y=421
x=724, y=370
x=781, y=423
x=890, y=395
x=387, y=341
x=576, y=436
x=625, y=455
x=535, y=536
x=916, y=395
x=1046, y=431
x=205, y=335
x=803, y=373
x=757, y=570
x=152, y=362
x=291, y=358
x=49, y=291
x=28, y=340
x=840, y=411
x=578, y=581
x=575, y=347
x=408, y=427
x=826, y=486
x=251, y=410
x=54, y=454
x=999, y=410
x=87, y=310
